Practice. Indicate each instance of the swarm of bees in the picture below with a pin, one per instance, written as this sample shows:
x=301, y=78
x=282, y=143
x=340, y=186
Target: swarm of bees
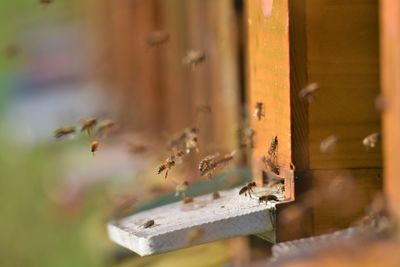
x=157, y=38
x=193, y=58
x=88, y=126
x=259, y=112
x=308, y=92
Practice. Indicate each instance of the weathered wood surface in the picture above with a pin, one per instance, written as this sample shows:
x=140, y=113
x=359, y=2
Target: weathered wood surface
x=229, y=216
x=343, y=57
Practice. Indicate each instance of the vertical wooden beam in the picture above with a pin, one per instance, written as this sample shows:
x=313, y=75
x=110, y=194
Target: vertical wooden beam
x=390, y=65
x=268, y=77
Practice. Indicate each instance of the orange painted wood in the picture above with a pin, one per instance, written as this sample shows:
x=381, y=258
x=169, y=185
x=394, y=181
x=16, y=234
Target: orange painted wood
x=390, y=65
x=268, y=77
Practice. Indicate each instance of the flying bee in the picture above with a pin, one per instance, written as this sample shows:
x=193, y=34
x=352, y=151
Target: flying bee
x=187, y=200
x=148, y=224
x=64, y=131
x=248, y=137
x=270, y=165
x=157, y=38
x=170, y=162
x=137, y=148
x=247, y=189
x=105, y=127
x=216, y=195
x=206, y=165
x=259, y=112
x=193, y=58
x=266, y=198
x=209, y=164
x=273, y=147
x=88, y=125
x=94, y=146
x=191, y=140
x=45, y=2
x=328, y=143
x=308, y=92
x=181, y=188
x=371, y=140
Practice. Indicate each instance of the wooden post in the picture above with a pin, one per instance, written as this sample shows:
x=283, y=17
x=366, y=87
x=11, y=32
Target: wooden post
x=390, y=81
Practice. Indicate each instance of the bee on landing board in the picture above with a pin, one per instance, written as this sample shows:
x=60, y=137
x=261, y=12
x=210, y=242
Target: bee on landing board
x=88, y=125
x=187, y=200
x=64, y=131
x=266, y=198
x=148, y=224
x=193, y=58
x=94, y=146
x=157, y=38
x=371, y=140
x=247, y=189
x=308, y=92
x=259, y=112
x=216, y=195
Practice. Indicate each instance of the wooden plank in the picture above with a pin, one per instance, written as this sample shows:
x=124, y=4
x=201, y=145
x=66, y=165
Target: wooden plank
x=343, y=57
x=390, y=62
x=268, y=77
x=231, y=215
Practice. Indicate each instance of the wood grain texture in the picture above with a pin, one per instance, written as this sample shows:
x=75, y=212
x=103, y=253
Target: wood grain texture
x=341, y=196
x=390, y=64
x=268, y=78
x=343, y=56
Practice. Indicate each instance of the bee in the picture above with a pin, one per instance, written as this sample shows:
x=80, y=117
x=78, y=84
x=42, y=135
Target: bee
x=181, y=188
x=170, y=162
x=270, y=165
x=259, y=111
x=328, y=143
x=194, y=234
x=64, y=131
x=94, y=146
x=137, y=148
x=266, y=198
x=148, y=224
x=157, y=38
x=105, y=127
x=371, y=140
x=45, y=2
x=308, y=92
x=193, y=58
x=247, y=189
x=88, y=125
x=191, y=140
x=187, y=200
x=215, y=195
x=206, y=165
x=273, y=147
x=248, y=137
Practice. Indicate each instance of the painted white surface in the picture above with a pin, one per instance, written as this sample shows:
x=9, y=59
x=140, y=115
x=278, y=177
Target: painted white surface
x=229, y=216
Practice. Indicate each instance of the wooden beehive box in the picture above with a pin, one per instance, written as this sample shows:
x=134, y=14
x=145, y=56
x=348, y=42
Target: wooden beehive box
x=288, y=44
